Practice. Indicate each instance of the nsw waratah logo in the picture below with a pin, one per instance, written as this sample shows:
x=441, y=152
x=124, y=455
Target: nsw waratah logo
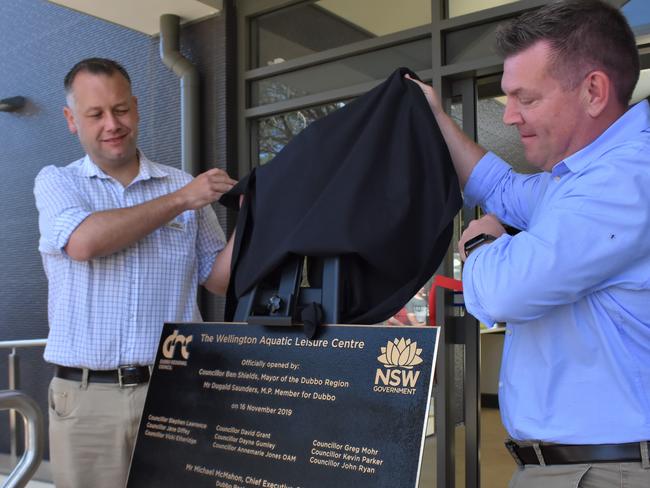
x=169, y=348
x=399, y=357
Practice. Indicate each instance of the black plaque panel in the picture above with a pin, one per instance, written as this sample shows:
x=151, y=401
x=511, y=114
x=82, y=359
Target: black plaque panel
x=237, y=405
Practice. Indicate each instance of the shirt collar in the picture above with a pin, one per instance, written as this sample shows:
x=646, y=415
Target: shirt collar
x=636, y=119
x=90, y=169
x=147, y=169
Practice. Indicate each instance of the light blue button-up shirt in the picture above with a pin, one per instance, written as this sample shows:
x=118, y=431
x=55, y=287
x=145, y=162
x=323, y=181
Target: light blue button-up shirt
x=573, y=288
x=109, y=311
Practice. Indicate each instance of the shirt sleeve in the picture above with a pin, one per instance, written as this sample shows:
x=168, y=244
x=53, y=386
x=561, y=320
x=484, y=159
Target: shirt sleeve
x=61, y=208
x=499, y=190
x=581, y=243
x=210, y=241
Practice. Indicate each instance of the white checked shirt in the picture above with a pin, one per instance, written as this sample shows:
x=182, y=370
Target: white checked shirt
x=108, y=312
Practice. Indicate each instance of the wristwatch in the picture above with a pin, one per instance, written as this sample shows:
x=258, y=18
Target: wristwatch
x=477, y=241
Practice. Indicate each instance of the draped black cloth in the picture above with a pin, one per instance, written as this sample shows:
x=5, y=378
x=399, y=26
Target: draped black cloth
x=373, y=183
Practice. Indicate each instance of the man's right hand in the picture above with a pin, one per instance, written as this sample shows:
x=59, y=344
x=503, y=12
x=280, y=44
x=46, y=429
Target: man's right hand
x=431, y=95
x=206, y=188
x=465, y=153
x=105, y=232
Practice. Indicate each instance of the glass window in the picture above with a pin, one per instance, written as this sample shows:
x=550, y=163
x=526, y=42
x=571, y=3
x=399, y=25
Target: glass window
x=415, y=311
x=456, y=113
x=313, y=27
x=273, y=133
x=362, y=68
x=642, y=89
x=462, y=7
x=637, y=13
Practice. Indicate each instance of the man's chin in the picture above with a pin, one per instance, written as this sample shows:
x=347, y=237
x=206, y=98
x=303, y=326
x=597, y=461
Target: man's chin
x=534, y=159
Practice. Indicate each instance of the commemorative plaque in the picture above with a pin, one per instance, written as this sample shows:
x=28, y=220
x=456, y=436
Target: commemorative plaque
x=239, y=406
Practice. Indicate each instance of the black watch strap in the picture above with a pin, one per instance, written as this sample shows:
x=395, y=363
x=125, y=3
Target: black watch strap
x=477, y=241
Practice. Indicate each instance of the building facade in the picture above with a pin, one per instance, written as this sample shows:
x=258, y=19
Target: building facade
x=267, y=67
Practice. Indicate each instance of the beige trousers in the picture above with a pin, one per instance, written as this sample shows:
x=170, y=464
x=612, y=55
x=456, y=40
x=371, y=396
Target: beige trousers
x=93, y=432
x=601, y=475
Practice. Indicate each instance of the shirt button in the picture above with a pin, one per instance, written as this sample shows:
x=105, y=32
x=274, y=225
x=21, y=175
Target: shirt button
x=500, y=384
x=508, y=332
x=556, y=178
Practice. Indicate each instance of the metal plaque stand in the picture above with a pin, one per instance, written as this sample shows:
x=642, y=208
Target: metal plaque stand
x=279, y=299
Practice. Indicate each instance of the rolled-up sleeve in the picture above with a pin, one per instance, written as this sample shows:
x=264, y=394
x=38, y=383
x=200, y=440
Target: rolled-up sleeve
x=473, y=292
x=61, y=208
x=210, y=241
x=500, y=191
x=582, y=242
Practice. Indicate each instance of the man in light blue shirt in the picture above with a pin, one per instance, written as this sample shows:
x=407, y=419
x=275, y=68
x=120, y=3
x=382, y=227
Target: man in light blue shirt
x=125, y=243
x=574, y=285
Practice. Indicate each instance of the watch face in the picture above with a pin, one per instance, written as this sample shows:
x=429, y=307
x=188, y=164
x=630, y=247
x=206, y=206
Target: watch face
x=476, y=241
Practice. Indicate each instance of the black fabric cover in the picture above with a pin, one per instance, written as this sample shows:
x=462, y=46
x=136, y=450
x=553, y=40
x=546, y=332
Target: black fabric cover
x=372, y=182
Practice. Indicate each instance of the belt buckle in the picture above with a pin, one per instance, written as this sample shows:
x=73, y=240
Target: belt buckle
x=511, y=446
x=121, y=376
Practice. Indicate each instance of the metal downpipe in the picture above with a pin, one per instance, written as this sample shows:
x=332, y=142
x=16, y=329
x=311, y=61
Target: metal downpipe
x=189, y=75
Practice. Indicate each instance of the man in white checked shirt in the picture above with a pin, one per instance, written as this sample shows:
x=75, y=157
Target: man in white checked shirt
x=125, y=243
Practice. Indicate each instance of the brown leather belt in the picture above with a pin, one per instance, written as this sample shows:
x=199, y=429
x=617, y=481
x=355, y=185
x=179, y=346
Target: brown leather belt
x=124, y=376
x=574, y=454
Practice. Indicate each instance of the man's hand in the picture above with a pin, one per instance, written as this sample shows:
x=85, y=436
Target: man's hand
x=431, y=95
x=488, y=224
x=465, y=153
x=206, y=188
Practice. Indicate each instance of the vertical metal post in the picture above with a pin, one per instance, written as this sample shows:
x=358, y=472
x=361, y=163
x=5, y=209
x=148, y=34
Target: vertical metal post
x=472, y=392
x=444, y=419
x=470, y=326
x=456, y=329
x=466, y=88
x=13, y=385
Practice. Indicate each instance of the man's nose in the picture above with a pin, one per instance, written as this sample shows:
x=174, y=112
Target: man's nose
x=511, y=116
x=111, y=122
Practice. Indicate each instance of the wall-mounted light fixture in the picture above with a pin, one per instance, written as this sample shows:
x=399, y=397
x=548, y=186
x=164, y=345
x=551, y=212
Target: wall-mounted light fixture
x=12, y=104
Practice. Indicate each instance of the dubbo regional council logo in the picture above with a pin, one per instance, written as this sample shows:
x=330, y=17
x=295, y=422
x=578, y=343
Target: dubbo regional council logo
x=169, y=350
x=397, y=376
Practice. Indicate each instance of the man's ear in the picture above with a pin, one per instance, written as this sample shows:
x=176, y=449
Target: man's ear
x=598, y=92
x=69, y=117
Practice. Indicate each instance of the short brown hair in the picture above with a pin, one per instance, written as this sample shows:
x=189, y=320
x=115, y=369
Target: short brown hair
x=95, y=66
x=584, y=35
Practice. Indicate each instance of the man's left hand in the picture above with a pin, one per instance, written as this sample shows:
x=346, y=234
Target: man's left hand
x=488, y=224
